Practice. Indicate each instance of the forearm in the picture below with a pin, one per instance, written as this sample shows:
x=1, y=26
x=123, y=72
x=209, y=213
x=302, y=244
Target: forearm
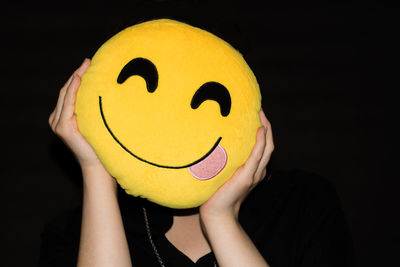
x=231, y=244
x=103, y=241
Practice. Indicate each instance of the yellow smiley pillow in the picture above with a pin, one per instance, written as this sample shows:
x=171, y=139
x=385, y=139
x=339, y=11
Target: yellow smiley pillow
x=171, y=111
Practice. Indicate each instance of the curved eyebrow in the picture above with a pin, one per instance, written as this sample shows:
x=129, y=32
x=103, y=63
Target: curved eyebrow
x=142, y=67
x=213, y=91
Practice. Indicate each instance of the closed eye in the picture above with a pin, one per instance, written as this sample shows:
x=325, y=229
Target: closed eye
x=143, y=68
x=213, y=91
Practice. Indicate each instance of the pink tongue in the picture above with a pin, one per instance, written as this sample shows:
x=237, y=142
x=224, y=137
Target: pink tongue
x=211, y=165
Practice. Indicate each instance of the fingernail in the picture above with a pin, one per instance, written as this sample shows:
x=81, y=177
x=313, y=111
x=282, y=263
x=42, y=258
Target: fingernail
x=83, y=62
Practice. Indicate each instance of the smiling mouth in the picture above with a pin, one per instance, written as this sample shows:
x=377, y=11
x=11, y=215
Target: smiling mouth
x=216, y=145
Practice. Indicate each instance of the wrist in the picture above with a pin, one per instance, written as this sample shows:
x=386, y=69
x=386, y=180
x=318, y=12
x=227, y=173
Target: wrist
x=218, y=225
x=220, y=219
x=96, y=178
x=216, y=213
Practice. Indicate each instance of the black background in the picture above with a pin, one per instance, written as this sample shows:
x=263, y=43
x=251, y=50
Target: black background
x=328, y=88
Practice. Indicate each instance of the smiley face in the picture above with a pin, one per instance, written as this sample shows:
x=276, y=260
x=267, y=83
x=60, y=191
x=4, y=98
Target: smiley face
x=171, y=110
x=208, y=91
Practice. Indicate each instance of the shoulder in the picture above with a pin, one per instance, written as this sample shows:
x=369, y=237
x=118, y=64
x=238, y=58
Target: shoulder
x=302, y=179
x=297, y=185
x=297, y=216
x=294, y=196
x=305, y=185
x=60, y=239
x=309, y=212
x=311, y=193
x=66, y=223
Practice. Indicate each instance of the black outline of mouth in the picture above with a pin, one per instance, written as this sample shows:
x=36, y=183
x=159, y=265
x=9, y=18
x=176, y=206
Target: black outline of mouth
x=151, y=163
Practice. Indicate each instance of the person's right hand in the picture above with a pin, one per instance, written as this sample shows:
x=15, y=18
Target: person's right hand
x=102, y=236
x=63, y=121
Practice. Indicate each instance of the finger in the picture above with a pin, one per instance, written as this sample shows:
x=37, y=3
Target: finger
x=269, y=146
x=60, y=102
x=263, y=174
x=263, y=118
x=257, y=152
x=269, y=137
x=82, y=69
x=69, y=100
x=55, y=116
x=261, y=169
x=51, y=117
x=258, y=177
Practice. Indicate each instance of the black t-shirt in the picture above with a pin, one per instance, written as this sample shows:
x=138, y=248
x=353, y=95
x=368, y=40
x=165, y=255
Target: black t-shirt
x=294, y=219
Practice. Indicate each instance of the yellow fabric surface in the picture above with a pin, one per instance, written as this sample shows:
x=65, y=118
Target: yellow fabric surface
x=161, y=127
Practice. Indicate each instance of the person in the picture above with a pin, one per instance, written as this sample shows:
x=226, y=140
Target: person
x=290, y=219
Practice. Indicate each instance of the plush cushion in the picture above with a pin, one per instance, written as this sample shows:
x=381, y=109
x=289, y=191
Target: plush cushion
x=171, y=111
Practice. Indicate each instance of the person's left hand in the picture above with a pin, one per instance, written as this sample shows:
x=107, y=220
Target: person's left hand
x=227, y=199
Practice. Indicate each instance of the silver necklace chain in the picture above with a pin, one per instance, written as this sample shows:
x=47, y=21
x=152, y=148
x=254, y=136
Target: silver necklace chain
x=149, y=235
x=153, y=245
